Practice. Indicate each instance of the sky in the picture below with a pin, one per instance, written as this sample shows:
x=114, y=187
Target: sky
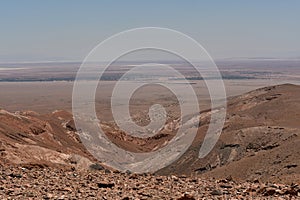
x=67, y=30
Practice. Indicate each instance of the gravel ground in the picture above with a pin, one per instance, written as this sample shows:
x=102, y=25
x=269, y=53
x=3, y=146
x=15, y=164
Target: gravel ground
x=56, y=183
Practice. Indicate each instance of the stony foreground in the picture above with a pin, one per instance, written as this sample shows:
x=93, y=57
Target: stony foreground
x=36, y=182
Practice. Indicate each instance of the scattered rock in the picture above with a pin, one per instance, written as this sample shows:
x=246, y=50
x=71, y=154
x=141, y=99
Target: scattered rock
x=48, y=196
x=291, y=166
x=70, y=125
x=269, y=191
x=216, y=192
x=96, y=166
x=225, y=186
x=15, y=175
x=186, y=197
x=63, y=183
x=105, y=185
x=230, y=146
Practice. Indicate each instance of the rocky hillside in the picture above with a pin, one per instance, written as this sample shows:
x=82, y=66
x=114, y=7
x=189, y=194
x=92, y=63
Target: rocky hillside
x=33, y=139
x=260, y=139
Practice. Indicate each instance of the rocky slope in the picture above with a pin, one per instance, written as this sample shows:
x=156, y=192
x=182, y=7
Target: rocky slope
x=260, y=139
x=33, y=139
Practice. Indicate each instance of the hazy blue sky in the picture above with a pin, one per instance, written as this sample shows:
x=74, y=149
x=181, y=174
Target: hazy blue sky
x=36, y=30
